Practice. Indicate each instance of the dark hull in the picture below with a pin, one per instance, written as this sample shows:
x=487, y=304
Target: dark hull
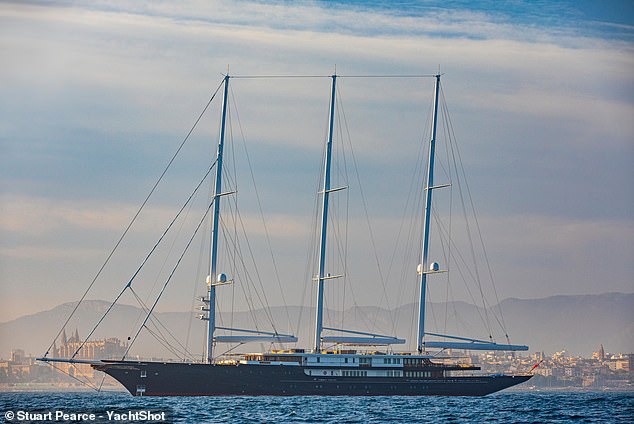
x=183, y=379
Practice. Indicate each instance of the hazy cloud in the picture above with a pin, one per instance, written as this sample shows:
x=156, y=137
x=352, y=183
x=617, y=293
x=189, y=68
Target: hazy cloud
x=96, y=97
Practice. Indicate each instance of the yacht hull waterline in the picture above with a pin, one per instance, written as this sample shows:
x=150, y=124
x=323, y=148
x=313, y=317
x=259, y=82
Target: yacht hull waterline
x=198, y=379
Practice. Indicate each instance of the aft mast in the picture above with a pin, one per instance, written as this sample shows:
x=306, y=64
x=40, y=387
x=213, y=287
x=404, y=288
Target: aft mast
x=423, y=268
x=215, y=219
x=324, y=224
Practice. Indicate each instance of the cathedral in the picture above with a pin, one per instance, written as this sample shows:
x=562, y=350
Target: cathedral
x=111, y=348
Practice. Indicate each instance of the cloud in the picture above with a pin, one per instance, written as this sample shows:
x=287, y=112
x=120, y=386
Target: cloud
x=97, y=96
x=37, y=216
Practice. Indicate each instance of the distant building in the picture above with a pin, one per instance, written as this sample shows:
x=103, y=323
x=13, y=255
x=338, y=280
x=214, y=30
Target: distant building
x=21, y=368
x=74, y=347
x=111, y=348
x=621, y=363
x=600, y=354
x=544, y=371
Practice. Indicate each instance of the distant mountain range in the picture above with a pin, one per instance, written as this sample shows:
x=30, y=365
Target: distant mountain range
x=577, y=324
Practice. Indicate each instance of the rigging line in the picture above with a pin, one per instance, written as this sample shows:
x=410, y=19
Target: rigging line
x=473, y=255
x=339, y=247
x=407, y=246
x=486, y=257
x=99, y=322
x=171, y=247
x=431, y=307
x=188, y=201
x=335, y=249
x=446, y=249
x=170, y=277
x=125, y=232
x=85, y=383
x=161, y=339
x=229, y=350
x=278, y=76
x=231, y=147
x=174, y=349
x=347, y=220
x=452, y=148
x=235, y=258
x=265, y=304
x=445, y=257
x=103, y=379
x=308, y=266
x=448, y=283
x=358, y=309
x=257, y=196
x=348, y=280
x=247, y=276
x=158, y=322
x=144, y=309
x=312, y=253
x=432, y=221
x=445, y=235
x=458, y=255
x=389, y=76
x=163, y=342
x=412, y=202
x=196, y=282
x=82, y=373
x=129, y=284
x=455, y=145
x=330, y=76
x=345, y=263
x=367, y=217
x=342, y=234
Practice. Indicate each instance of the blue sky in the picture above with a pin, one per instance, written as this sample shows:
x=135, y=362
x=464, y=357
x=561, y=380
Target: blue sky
x=96, y=97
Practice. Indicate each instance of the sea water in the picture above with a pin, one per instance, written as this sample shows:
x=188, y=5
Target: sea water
x=504, y=407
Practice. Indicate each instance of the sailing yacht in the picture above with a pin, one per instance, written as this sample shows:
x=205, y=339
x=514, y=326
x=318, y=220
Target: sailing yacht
x=352, y=367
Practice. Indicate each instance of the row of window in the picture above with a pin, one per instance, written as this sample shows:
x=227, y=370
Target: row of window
x=418, y=374
x=354, y=373
x=361, y=360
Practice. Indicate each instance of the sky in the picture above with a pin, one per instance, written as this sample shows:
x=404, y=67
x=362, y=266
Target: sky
x=96, y=97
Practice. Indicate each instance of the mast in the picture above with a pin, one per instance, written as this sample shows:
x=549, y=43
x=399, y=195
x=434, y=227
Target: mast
x=215, y=220
x=424, y=268
x=324, y=224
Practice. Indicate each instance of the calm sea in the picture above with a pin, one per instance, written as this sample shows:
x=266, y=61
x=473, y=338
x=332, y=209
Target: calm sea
x=506, y=407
